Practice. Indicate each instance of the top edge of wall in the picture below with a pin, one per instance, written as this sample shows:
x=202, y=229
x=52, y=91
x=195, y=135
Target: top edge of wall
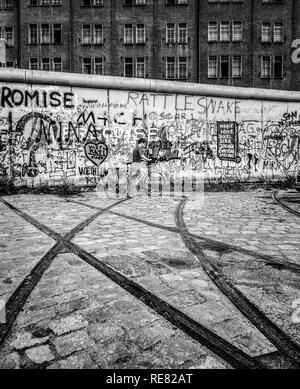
x=145, y=85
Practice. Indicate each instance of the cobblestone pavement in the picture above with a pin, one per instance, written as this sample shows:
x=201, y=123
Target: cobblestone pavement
x=84, y=302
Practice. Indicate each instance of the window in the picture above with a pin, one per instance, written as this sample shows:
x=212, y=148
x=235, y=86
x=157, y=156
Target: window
x=99, y=66
x=140, y=68
x=266, y=32
x=135, y=67
x=177, y=33
x=134, y=2
x=237, y=31
x=91, y=3
x=57, y=33
x=48, y=34
x=33, y=64
x=176, y=68
x=140, y=33
x=8, y=34
x=33, y=34
x=266, y=66
x=170, y=68
x=93, y=65
x=278, y=67
x=271, y=66
x=236, y=67
x=225, y=1
x=92, y=34
x=57, y=65
x=170, y=33
x=212, y=67
x=176, y=2
x=278, y=32
x=45, y=34
x=6, y=4
x=182, y=68
x=224, y=32
x=224, y=66
x=128, y=67
x=87, y=65
x=212, y=32
x=182, y=33
x=128, y=34
x=98, y=34
x=86, y=34
x=45, y=64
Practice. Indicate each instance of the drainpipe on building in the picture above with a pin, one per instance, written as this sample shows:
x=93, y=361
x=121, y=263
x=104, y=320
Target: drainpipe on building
x=19, y=37
x=197, y=20
x=72, y=39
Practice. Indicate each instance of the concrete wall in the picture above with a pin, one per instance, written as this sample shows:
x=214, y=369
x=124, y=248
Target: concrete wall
x=62, y=126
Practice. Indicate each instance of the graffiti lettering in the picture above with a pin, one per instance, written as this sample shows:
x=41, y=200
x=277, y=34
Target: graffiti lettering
x=39, y=99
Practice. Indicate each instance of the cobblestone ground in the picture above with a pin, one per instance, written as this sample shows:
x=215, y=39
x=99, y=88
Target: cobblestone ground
x=76, y=317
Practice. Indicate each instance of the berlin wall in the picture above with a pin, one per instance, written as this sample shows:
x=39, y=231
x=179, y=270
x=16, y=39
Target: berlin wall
x=55, y=127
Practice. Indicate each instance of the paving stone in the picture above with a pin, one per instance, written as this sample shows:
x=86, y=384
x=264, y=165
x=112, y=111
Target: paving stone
x=186, y=299
x=28, y=317
x=105, y=332
x=148, y=337
x=79, y=361
x=10, y=361
x=76, y=341
x=208, y=312
x=26, y=340
x=179, y=351
x=137, y=319
x=53, y=366
x=117, y=353
x=211, y=363
x=72, y=306
x=68, y=324
x=40, y=355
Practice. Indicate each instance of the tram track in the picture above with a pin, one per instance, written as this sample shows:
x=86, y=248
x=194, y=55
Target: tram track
x=224, y=349
x=274, y=334
x=17, y=300
x=207, y=243
x=276, y=198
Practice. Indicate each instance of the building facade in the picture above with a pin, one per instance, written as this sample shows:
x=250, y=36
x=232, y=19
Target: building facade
x=229, y=42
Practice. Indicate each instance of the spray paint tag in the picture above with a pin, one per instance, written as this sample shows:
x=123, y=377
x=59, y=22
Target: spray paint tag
x=96, y=152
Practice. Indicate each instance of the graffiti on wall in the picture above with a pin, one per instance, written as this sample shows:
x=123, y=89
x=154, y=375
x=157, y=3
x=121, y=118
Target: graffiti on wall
x=227, y=142
x=54, y=133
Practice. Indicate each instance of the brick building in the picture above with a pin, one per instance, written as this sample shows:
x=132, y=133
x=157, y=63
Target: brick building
x=229, y=42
